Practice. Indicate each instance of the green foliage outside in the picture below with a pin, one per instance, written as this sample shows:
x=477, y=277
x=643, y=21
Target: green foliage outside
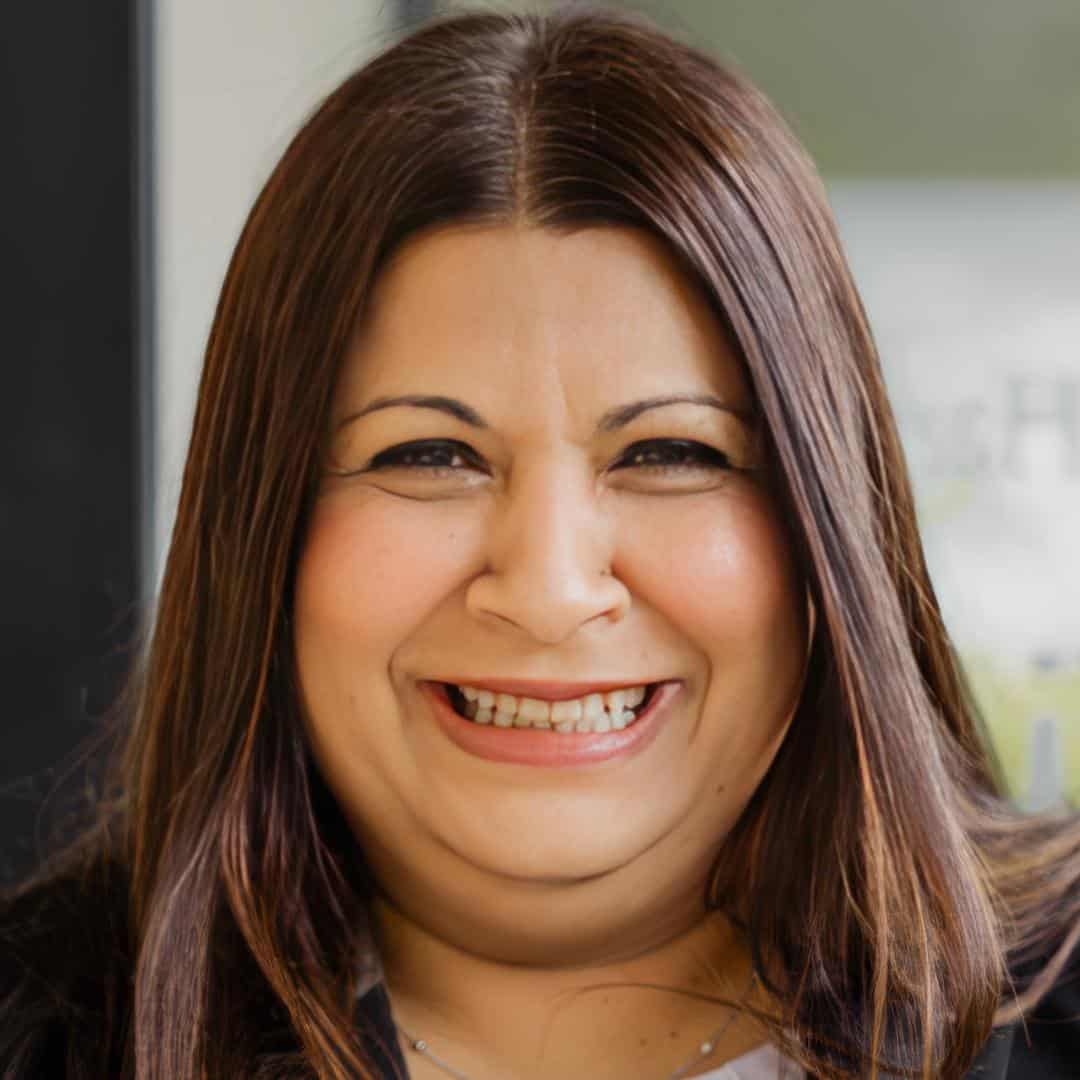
x=1011, y=702
x=908, y=88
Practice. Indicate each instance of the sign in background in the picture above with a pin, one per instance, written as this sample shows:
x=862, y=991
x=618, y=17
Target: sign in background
x=973, y=290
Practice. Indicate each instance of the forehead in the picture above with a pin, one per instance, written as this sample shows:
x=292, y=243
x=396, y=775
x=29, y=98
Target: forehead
x=594, y=310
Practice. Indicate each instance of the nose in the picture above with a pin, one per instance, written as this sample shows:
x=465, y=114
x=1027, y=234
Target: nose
x=550, y=550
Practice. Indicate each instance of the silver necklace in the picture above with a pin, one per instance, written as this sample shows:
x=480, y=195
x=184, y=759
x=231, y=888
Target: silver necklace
x=421, y=1046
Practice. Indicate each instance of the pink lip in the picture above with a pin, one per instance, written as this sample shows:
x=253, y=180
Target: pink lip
x=549, y=749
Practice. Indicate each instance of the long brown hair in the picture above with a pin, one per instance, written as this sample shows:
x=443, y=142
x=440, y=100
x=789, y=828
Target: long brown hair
x=884, y=883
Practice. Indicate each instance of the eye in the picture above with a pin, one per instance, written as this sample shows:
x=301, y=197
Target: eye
x=437, y=457
x=661, y=456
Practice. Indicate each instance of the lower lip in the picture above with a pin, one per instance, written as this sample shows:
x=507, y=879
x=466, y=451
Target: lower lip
x=550, y=749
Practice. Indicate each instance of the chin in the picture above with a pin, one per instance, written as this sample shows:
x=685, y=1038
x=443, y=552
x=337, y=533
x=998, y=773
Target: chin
x=555, y=924
x=550, y=842
x=549, y=862
x=547, y=869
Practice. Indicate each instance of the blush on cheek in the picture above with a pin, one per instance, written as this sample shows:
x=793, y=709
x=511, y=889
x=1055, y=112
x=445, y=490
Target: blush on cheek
x=727, y=581
x=375, y=573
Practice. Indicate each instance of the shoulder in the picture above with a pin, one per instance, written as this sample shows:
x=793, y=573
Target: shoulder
x=64, y=973
x=1046, y=1043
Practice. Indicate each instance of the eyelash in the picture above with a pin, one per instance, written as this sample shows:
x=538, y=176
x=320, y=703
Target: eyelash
x=708, y=457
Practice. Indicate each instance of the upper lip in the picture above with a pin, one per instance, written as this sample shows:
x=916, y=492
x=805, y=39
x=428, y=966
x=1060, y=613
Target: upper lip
x=545, y=690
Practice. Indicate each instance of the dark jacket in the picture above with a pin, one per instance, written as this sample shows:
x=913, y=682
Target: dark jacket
x=64, y=997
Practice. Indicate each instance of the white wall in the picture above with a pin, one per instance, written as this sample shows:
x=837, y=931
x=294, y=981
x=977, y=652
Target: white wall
x=233, y=81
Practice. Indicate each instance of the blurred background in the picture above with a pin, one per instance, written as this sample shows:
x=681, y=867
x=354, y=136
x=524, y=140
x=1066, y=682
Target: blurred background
x=138, y=133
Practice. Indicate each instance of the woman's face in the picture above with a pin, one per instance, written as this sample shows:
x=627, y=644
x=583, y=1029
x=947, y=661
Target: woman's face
x=534, y=522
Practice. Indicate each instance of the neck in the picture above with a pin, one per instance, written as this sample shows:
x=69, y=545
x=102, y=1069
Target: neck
x=644, y=1015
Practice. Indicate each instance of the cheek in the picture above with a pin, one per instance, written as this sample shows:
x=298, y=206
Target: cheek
x=727, y=585
x=724, y=577
x=371, y=569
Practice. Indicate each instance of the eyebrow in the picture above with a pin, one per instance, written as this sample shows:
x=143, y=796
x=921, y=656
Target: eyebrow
x=612, y=420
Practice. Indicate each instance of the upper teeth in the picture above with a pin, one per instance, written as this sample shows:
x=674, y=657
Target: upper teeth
x=593, y=712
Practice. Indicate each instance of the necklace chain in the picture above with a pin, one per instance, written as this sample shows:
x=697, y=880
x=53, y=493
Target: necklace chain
x=421, y=1046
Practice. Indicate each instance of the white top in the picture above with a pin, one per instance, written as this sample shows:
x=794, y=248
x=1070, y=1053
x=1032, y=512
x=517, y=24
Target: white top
x=763, y=1063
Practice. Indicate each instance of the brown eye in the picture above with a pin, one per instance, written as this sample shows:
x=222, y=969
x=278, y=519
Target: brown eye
x=431, y=455
x=673, y=455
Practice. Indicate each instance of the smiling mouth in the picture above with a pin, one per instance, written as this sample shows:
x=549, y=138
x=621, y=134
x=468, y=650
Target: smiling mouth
x=593, y=713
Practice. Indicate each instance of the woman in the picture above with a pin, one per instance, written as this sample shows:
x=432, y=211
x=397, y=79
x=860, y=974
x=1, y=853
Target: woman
x=546, y=680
